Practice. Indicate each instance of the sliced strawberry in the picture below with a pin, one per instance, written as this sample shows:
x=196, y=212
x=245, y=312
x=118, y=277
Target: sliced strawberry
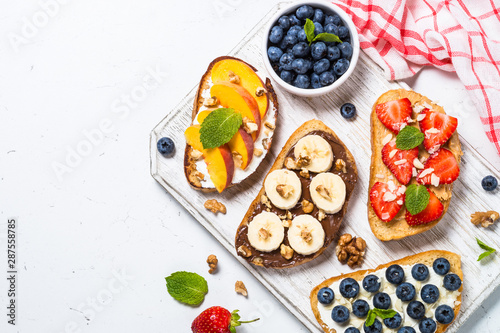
x=386, y=203
x=394, y=114
x=443, y=165
x=400, y=162
x=432, y=212
x=437, y=127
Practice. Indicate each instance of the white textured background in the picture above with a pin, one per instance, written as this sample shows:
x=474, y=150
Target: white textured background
x=72, y=72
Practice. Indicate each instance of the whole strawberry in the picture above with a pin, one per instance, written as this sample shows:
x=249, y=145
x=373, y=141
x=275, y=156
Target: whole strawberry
x=217, y=320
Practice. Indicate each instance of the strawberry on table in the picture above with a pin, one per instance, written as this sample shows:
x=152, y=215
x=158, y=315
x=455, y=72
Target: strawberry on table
x=441, y=168
x=432, y=212
x=394, y=114
x=387, y=199
x=217, y=320
x=400, y=162
x=437, y=127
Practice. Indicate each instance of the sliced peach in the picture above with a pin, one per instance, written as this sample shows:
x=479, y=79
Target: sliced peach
x=202, y=115
x=242, y=143
x=231, y=95
x=248, y=79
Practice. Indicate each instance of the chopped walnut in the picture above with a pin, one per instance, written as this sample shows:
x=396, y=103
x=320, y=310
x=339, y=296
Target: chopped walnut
x=260, y=91
x=323, y=191
x=304, y=173
x=212, y=101
x=290, y=163
x=212, y=263
x=196, y=155
x=284, y=190
x=350, y=250
x=307, y=206
x=196, y=177
x=238, y=159
x=257, y=152
x=266, y=143
x=214, y=206
x=306, y=235
x=340, y=165
x=289, y=215
x=269, y=125
x=286, y=223
x=244, y=251
x=321, y=215
x=303, y=161
x=484, y=218
x=258, y=261
x=233, y=78
x=286, y=251
x=249, y=126
x=240, y=288
x=265, y=201
x=263, y=233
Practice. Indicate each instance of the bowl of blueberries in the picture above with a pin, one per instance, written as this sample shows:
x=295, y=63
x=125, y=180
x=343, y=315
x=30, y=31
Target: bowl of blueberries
x=311, y=48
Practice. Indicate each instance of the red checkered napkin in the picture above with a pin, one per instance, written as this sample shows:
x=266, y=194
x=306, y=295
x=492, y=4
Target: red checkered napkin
x=463, y=36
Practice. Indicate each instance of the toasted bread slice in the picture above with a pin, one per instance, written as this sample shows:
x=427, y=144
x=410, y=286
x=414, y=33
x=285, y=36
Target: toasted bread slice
x=190, y=169
x=398, y=228
x=330, y=223
x=426, y=258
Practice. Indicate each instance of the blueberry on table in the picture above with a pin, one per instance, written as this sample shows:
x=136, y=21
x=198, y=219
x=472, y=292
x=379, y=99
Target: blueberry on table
x=351, y=330
x=326, y=296
x=286, y=61
x=318, y=50
x=489, y=183
x=340, y=314
x=416, y=310
x=321, y=66
x=452, y=282
x=349, y=288
x=274, y=53
x=341, y=66
x=332, y=53
x=165, y=146
x=429, y=293
x=284, y=22
x=406, y=292
x=287, y=76
x=348, y=110
x=395, y=274
x=382, y=301
x=302, y=81
x=444, y=314
x=294, y=20
x=288, y=41
x=326, y=78
x=360, y=308
x=276, y=34
x=294, y=30
x=300, y=50
x=315, y=81
x=406, y=329
x=318, y=28
x=343, y=32
x=301, y=36
x=393, y=322
x=420, y=272
x=304, y=12
x=371, y=283
x=376, y=327
x=441, y=266
x=332, y=29
x=345, y=49
x=318, y=16
x=427, y=325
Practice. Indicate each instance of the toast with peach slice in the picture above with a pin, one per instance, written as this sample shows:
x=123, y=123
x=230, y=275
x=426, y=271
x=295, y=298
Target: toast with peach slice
x=233, y=84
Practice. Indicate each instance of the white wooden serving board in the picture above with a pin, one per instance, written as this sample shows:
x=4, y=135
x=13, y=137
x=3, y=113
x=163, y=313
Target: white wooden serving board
x=292, y=286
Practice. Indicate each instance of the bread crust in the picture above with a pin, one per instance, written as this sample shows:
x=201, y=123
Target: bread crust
x=189, y=163
x=398, y=228
x=303, y=130
x=426, y=258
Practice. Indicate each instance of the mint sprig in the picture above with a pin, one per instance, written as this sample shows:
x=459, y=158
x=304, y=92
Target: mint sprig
x=322, y=37
x=417, y=198
x=488, y=250
x=374, y=313
x=219, y=127
x=186, y=287
x=409, y=138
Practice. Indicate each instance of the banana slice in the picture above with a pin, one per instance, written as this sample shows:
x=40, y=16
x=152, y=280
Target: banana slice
x=283, y=188
x=265, y=232
x=318, y=150
x=306, y=235
x=328, y=192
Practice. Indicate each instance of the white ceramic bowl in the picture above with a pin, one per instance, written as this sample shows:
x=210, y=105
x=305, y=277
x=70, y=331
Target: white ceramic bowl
x=326, y=7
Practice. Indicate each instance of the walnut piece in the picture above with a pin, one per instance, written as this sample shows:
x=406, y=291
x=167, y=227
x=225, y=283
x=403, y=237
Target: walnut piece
x=323, y=191
x=484, y=218
x=284, y=190
x=196, y=155
x=263, y=233
x=290, y=163
x=350, y=250
x=304, y=173
x=286, y=223
x=233, y=78
x=212, y=101
x=266, y=143
x=286, y=251
x=340, y=165
x=265, y=201
x=257, y=152
x=269, y=125
x=244, y=251
x=303, y=161
x=238, y=159
x=321, y=215
x=214, y=206
x=307, y=206
x=196, y=177
x=240, y=288
x=306, y=235
x=249, y=126
x=260, y=91
x=212, y=263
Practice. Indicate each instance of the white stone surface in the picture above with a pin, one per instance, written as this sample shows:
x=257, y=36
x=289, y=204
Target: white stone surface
x=73, y=74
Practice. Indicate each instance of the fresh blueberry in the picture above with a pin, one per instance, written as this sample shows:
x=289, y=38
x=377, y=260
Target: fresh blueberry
x=319, y=16
x=348, y=110
x=315, y=81
x=382, y=301
x=318, y=50
x=427, y=325
x=332, y=29
x=301, y=36
x=351, y=330
x=301, y=66
x=416, y=310
x=165, y=146
x=284, y=22
x=341, y=66
x=444, y=314
x=294, y=20
x=375, y=328
x=349, y=288
x=274, y=53
x=321, y=66
x=287, y=76
x=371, y=283
x=327, y=78
x=429, y=293
x=489, y=183
x=420, y=272
x=326, y=296
x=340, y=314
x=294, y=30
x=304, y=12
x=302, y=81
x=406, y=292
x=441, y=266
x=288, y=41
x=395, y=273
x=393, y=322
x=318, y=28
x=335, y=19
x=332, y=53
x=345, y=50
x=452, y=282
x=360, y=308
x=286, y=61
x=276, y=34
x=343, y=32
x=406, y=329
x=300, y=50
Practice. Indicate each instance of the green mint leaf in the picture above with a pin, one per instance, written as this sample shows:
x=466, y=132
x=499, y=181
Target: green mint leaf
x=219, y=127
x=484, y=246
x=417, y=198
x=186, y=287
x=309, y=30
x=484, y=255
x=327, y=38
x=409, y=138
x=370, y=318
x=384, y=314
